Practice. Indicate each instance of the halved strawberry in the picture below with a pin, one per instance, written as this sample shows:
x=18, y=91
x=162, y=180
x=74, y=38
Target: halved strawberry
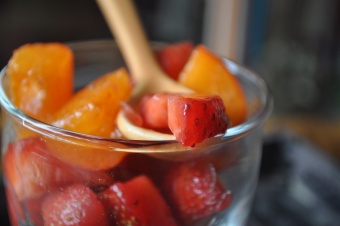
x=194, y=191
x=172, y=58
x=194, y=118
x=30, y=170
x=136, y=202
x=73, y=205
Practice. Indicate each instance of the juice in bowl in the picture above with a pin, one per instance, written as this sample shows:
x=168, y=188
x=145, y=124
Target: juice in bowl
x=91, y=174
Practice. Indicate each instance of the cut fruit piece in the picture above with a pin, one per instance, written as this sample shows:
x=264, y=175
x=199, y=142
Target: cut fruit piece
x=195, y=191
x=206, y=73
x=194, y=118
x=76, y=205
x=93, y=109
x=132, y=115
x=31, y=170
x=154, y=110
x=86, y=154
x=32, y=207
x=40, y=78
x=136, y=202
x=173, y=57
x=141, y=164
x=15, y=211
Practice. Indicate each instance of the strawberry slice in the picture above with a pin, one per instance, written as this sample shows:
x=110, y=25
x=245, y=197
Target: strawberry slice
x=194, y=191
x=30, y=170
x=172, y=58
x=136, y=202
x=73, y=205
x=194, y=118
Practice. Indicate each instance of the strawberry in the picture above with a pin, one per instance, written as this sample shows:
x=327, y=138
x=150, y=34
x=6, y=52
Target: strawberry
x=32, y=206
x=194, y=191
x=141, y=164
x=154, y=110
x=194, y=118
x=27, y=210
x=172, y=58
x=131, y=114
x=31, y=170
x=15, y=211
x=73, y=205
x=136, y=202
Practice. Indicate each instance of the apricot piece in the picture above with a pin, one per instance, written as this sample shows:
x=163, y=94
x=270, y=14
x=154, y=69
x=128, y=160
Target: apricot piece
x=206, y=73
x=40, y=78
x=93, y=109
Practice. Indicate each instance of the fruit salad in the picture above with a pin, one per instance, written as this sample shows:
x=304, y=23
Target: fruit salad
x=53, y=180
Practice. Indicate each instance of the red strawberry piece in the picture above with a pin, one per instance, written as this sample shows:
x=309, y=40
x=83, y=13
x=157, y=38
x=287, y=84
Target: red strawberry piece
x=136, y=202
x=194, y=118
x=141, y=164
x=15, y=211
x=172, y=58
x=32, y=207
x=31, y=170
x=131, y=114
x=154, y=110
x=73, y=205
x=25, y=212
x=194, y=191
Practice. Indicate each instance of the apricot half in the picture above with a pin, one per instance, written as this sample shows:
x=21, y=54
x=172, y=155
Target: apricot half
x=40, y=78
x=206, y=73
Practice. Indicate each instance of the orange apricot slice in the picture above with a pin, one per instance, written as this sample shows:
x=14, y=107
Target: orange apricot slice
x=206, y=73
x=40, y=78
x=93, y=111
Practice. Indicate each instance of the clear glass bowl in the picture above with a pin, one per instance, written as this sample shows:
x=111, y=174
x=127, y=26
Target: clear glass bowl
x=235, y=158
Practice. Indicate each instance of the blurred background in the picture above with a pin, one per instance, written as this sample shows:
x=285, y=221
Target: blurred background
x=293, y=45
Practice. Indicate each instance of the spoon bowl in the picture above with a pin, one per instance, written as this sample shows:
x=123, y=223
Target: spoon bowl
x=122, y=18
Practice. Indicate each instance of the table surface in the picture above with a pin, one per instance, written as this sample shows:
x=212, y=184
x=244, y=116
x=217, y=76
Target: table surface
x=321, y=131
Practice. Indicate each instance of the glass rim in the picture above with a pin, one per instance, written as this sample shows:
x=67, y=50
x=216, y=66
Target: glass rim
x=261, y=114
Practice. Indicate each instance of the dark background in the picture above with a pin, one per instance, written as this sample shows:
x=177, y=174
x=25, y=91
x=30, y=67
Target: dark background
x=69, y=20
x=294, y=45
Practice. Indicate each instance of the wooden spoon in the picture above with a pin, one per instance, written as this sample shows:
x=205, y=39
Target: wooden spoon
x=124, y=24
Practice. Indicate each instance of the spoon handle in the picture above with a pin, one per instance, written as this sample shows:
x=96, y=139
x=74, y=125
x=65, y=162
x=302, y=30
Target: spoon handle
x=121, y=16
